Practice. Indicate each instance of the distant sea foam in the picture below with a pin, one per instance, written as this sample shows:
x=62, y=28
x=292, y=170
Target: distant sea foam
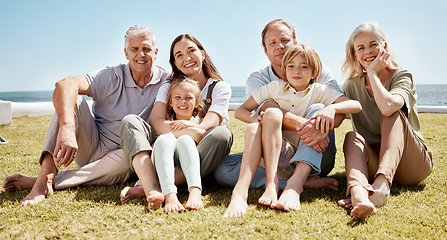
x=428, y=95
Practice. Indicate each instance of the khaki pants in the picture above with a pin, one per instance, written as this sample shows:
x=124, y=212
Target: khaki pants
x=137, y=136
x=400, y=157
x=100, y=161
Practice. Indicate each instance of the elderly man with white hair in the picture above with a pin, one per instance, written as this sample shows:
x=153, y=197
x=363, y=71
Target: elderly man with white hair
x=93, y=142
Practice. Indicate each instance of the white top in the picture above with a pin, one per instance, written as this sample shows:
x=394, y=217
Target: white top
x=266, y=75
x=220, y=98
x=296, y=102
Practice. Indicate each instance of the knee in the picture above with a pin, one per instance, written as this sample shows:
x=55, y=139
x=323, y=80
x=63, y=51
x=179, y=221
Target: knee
x=185, y=141
x=392, y=118
x=128, y=121
x=353, y=138
x=165, y=140
x=272, y=115
x=220, y=135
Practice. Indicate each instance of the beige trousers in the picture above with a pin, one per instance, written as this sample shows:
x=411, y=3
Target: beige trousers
x=100, y=161
x=400, y=157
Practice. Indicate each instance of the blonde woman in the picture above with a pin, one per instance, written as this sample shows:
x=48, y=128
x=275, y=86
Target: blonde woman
x=386, y=144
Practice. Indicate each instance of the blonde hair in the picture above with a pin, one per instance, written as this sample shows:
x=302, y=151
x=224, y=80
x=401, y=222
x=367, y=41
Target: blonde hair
x=200, y=106
x=351, y=66
x=311, y=58
x=137, y=31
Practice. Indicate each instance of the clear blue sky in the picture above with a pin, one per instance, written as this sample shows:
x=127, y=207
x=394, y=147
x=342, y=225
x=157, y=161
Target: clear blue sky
x=44, y=41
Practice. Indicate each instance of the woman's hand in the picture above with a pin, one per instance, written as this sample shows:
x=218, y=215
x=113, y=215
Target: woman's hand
x=181, y=124
x=381, y=61
x=324, y=120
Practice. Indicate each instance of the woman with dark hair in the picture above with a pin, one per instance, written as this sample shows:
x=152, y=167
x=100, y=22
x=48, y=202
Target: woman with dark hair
x=188, y=59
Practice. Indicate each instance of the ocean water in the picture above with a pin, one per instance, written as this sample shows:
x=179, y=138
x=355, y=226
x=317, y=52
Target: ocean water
x=428, y=95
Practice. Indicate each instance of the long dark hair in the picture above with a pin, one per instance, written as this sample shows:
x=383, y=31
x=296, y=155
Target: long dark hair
x=208, y=67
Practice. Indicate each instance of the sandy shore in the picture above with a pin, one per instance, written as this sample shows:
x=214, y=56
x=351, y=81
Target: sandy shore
x=47, y=108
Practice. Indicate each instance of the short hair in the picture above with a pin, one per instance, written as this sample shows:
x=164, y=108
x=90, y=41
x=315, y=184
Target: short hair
x=311, y=58
x=277, y=22
x=137, y=31
x=351, y=66
x=198, y=111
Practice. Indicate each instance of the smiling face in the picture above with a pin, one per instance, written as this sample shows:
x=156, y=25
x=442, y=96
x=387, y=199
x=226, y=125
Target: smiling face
x=183, y=100
x=298, y=73
x=188, y=58
x=367, y=47
x=141, y=54
x=278, y=39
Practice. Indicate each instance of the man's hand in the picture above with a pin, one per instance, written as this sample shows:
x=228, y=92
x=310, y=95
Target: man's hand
x=313, y=137
x=66, y=146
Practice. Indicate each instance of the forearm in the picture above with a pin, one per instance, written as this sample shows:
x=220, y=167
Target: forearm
x=64, y=101
x=195, y=133
x=386, y=102
x=291, y=121
x=346, y=107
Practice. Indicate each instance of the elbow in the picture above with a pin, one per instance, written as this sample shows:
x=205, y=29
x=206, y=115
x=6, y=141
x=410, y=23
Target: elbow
x=237, y=113
x=390, y=109
x=358, y=107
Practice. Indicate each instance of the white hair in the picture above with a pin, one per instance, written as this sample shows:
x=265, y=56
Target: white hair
x=137, y=31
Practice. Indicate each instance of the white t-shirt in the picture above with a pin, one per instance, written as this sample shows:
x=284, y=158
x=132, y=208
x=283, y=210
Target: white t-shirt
x=220, y=98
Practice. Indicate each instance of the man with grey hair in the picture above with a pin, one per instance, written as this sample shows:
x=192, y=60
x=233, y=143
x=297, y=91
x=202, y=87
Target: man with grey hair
x=93, y=142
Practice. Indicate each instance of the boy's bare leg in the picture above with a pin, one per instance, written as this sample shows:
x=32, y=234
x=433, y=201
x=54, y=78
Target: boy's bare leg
x=172, y=203
x=44, y=182
x=146, y=173
x=194, y=198
x=290, y=197
x=271, y=148
x=250, y=162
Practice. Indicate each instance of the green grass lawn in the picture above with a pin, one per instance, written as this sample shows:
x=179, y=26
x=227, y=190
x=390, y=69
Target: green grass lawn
x=418, y=211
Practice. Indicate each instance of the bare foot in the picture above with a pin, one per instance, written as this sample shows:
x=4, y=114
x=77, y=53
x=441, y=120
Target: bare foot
x=130, y=193
x=42, y=188
x=18, y=182
x=194, y=199
x=154, y=200
x=289, y=200
x=172, y=203
x=381, y=193
x=238, y=206
x=363, y=210
x=270, y=196
x=316, y=181
x=346, y=203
